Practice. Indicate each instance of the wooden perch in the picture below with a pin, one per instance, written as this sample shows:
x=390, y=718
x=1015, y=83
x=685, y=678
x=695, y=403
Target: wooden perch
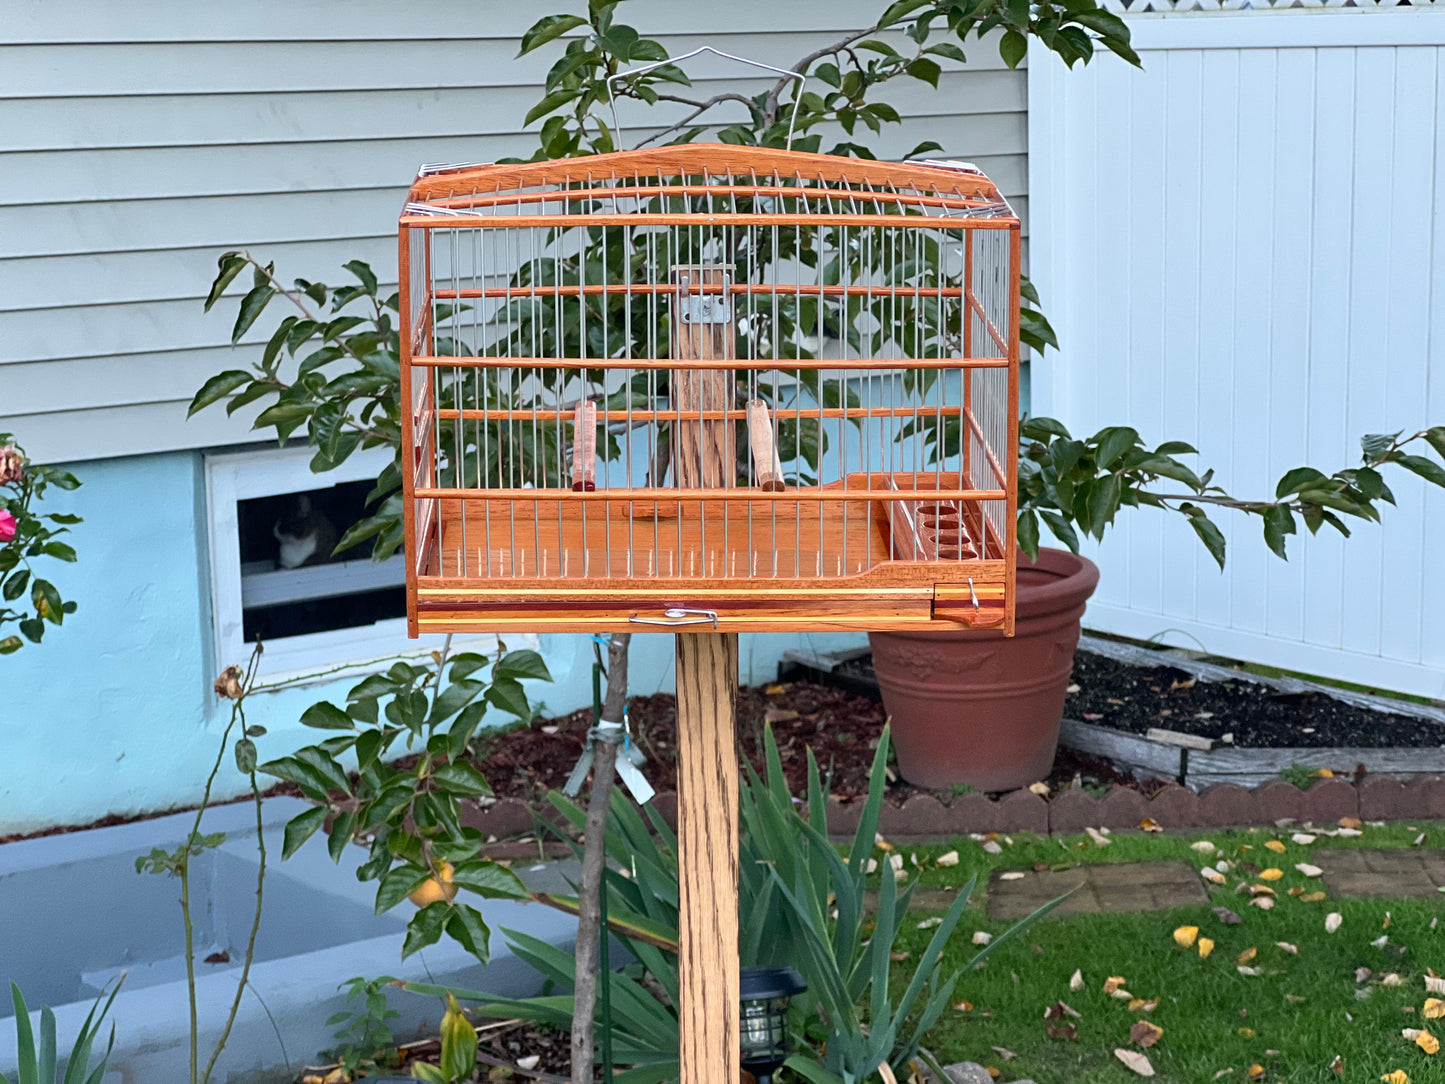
x=584, y=446
x=767, y=468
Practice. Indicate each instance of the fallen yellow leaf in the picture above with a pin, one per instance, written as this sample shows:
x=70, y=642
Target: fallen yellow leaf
x=1246, y=1033
x=1325, y=773
x=1350, y=822
x=1337, y=1066
x=992, y=1071
x=1271, y=874
x=1263, y=890
x=1275, y=845
x=1112, y=983
x=963, y=1006
x=1149, y=824
x=1434, y=1009
x=1312, y=897
x=1206, y=946
x=1247, y=955
x=1185, y=936
x=1256, y=1071
x=1427, y=1042
x=949, y=859
x=1399, y=1076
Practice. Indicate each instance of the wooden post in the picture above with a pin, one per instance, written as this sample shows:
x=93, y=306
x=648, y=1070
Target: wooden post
x=707, y=839
x=704, y=456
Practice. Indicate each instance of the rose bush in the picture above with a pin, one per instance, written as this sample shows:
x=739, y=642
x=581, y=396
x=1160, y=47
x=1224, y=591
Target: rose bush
x=25, y=536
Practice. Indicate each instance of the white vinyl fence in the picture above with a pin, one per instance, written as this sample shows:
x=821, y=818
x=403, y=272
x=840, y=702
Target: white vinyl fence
x=1243, y=246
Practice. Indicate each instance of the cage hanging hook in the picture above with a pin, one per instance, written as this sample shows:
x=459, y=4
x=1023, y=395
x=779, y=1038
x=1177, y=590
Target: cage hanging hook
x=788, y=73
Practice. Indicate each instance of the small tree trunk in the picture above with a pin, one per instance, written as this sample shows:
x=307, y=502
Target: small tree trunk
x=594, y=857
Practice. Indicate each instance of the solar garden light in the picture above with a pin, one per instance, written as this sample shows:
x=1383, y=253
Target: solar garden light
x=765, y=994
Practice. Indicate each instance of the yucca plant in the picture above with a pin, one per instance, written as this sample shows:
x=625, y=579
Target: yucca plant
x=802, y=903
x=40, y=1066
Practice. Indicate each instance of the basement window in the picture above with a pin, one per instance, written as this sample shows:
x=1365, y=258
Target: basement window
x=273, y=528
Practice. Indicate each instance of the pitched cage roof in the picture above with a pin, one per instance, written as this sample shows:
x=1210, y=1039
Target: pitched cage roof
x=758, y=187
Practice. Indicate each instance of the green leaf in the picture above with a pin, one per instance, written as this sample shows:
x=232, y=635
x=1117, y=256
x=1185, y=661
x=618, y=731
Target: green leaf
x=509, y=695
x=555, y=100
x=1374, y=445
x=300, y=828
x=548, y=28
x=1208, y=533
x=926, y=70
x=462, y=777
x=251, y=306
x=489, y=880
x=217, y=388
x=1435, y=436
x=399, y=883
x=897, y=10
x=425, y=927
x=340, y=833
x=1103, y=502
x=453, y=698
x=15, y=585
x=1113, y=442
x=46, y=600
x=1028, y=533
x=1013, y=47
x=1062, y=529
x=326, y=716
x=362, y=270
x=10, y=645
x=59, y=550
x=228, y=266
x=1427, y=469
x=245, y=756
x=1278, y=522
x=466, y=927
x=1296, y=480
x=522, y=664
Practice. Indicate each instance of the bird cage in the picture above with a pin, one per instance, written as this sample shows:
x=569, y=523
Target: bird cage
x=747, y=389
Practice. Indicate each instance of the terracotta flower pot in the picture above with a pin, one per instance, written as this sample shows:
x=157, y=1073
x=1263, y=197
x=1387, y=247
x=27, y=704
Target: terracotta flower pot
x=979, y=707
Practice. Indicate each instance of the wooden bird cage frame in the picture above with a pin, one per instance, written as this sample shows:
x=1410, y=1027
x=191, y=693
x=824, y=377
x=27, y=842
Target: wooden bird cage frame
x=750, y=389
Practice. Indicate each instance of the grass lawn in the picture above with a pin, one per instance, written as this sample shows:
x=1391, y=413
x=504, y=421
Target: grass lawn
x=1292, y=1019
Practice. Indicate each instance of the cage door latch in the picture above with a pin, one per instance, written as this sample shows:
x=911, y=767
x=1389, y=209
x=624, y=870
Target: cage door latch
x=978, y=606
x=677, y=615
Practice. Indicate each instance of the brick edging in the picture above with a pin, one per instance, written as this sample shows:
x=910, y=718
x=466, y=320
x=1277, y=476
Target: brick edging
x=1377, y=798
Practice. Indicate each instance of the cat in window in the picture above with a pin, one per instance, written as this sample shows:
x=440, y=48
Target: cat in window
x=306, y=535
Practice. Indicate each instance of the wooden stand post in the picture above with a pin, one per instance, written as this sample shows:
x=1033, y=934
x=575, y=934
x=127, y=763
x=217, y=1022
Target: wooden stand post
x=707, y=677
x=707, y=831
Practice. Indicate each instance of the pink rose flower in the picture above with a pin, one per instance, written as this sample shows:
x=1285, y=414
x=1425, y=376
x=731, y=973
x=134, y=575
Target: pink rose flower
x=12, y=465
x=7, y=526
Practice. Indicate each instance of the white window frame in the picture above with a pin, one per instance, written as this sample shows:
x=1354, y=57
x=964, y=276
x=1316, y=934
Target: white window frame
x=232, y=477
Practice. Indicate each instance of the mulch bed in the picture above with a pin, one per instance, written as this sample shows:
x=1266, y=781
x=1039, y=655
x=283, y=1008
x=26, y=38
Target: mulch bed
x=1135, y=698
x=840, y=727
x=502, y=1044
